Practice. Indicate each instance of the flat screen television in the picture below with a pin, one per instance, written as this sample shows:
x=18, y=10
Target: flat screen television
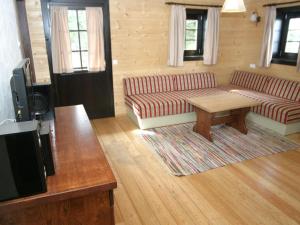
x=22, y=91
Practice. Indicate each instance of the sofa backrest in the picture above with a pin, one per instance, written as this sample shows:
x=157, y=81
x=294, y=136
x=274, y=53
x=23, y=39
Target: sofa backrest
x=250, y=80
x=284, y=88
x=194, y=81
x=148, y=84
x=166, y=83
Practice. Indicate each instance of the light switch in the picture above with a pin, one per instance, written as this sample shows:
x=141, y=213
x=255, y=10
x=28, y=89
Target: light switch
x=253, y=66
x=115, y=62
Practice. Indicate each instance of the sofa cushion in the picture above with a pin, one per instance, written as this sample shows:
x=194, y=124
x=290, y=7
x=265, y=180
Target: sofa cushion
x=284, y=89
x=167, y=103
x=275, y=108
x=252, y=81
x=194, y=81
x=148, y=84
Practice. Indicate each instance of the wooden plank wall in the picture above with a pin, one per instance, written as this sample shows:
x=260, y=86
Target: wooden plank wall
x=140, y=42
x=283, y=71
x=139, y=31
x=38, y=44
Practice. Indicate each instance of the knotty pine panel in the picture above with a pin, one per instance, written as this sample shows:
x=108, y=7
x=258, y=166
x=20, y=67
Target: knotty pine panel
x=282, y=71
x=140, y=43
x=140, y=31
x=37, y=37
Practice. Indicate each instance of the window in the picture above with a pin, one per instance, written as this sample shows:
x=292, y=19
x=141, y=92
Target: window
x=194, y=34
x=79, y=38
x=286, y=36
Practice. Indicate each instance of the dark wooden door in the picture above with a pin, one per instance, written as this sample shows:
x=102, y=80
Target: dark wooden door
x=93, y=90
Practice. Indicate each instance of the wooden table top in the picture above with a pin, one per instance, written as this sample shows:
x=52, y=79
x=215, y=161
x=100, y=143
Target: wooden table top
x=80, y=164
x=222, y=102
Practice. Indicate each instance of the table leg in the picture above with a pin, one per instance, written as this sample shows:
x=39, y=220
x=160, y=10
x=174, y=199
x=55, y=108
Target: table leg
x=238, y=121
x=203, y=124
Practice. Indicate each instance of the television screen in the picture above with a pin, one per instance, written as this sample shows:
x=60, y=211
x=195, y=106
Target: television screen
x=22, y=93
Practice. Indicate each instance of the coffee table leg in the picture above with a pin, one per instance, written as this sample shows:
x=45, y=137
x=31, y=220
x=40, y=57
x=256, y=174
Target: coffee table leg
x=239, y=120
x=203, y=123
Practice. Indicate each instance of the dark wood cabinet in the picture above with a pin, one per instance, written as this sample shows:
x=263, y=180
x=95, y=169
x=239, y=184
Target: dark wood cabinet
x=81, y=191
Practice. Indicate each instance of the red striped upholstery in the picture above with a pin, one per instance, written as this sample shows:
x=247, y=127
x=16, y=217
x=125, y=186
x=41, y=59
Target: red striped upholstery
x=195, y=81
x=275, y=108
x=167, y=83
x=148, y=84
x=284, y=89
x=250, y=80
x=164, y=104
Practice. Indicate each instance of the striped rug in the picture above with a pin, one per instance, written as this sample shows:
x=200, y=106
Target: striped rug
x=185, y=152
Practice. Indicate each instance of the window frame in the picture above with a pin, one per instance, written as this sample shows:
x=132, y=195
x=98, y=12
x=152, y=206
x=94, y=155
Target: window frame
x=280, y=57
x=78, y=30
x=201, y=16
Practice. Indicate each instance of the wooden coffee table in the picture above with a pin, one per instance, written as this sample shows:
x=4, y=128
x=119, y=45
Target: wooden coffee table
x=208, y=108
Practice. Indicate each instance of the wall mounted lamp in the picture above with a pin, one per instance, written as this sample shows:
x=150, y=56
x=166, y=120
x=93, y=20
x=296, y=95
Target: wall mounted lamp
x=255, y=18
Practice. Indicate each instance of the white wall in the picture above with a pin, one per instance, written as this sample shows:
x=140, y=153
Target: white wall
x=10, y=55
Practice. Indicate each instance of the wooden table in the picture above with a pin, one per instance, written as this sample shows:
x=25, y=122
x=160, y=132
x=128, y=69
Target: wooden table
x=207, y=108
x=81, y=191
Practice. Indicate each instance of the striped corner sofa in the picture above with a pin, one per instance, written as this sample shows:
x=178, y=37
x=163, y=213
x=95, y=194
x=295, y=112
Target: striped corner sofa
x=160, y=100
x=280, y=98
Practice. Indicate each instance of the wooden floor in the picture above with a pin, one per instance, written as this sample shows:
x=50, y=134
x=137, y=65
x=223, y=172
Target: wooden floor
x=260, y=191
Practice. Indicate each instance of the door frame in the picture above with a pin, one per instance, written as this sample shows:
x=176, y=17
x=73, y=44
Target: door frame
x=55, y=78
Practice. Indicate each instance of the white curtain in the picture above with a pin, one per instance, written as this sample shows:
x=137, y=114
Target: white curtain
x=298, y=60
x=211, y=40
x=267, y=43
x=60, y=41
x=94, y=16
x=176, y=35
